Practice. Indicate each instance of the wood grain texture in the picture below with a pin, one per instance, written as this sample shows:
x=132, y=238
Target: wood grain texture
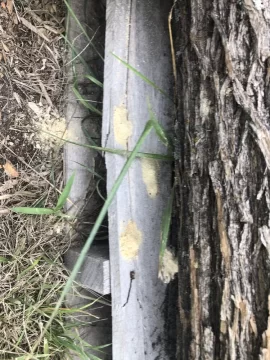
x=223, y=133
x=137, y=32
x=95, y=272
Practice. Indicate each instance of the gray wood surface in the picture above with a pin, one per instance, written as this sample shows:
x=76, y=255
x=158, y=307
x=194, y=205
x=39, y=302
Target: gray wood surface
x=137, y=32
x=86, y=202
x=95, y=272
x=89, y=13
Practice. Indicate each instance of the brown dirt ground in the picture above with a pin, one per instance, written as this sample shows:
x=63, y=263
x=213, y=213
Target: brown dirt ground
x=31, y=71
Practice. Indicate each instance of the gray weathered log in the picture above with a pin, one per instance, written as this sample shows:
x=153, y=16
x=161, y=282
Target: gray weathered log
x=223, y=159
x=85, y=199
x=137, y=32
x=91, y=14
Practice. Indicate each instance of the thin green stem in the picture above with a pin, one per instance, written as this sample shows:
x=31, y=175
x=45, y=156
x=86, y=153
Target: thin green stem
x=71, y=12
x=116, y=151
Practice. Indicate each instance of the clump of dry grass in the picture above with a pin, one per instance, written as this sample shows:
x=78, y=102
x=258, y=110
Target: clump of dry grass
x=32, y=275
x=31, y=271
x=31, y=51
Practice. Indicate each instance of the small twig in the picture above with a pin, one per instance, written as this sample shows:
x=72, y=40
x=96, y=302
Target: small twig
x=31, y=27
x=27, y=86
x=41, y=22
x=53, y=56
x=132, y=277
x=171, y=42
x=45, y=93
x=34, y=16
x=14, y=5
x=52, y=30
x=36, y=172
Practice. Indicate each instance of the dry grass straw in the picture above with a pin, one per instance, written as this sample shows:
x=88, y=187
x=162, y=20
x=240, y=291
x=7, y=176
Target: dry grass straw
x=32, y=275
x=31, y=51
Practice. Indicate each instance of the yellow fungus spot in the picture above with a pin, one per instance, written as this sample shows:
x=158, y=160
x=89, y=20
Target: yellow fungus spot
x=122, y=125
x=168, y=267
x=150, y=176
x=130, y=241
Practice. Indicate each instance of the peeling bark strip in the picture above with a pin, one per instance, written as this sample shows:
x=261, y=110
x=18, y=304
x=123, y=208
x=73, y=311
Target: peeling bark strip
x=223, y=150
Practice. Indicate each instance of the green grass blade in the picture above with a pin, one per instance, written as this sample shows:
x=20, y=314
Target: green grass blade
x=64, y=311
x=67, y=343
x=65, y=193
x=87, y=135
x=32, y=266
x=84, y=102
x=104, y=210
x=39, y=203
x=97, y=348
x=116, y=151
x=95, y=229
x=46, y=347
x=64, y=216
x=94, y=357
x=98, y=191
x=67, y=21
x=71, y=12
x=33, y=211
x=94, y=80
x=77, y=55
x=4, y=259
x=36, y=357
x=91, y=171
x=165, y=226
x=140, y=75
x=161, y=133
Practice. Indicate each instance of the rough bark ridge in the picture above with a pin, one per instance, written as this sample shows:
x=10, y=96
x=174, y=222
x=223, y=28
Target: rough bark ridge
x=223, y=159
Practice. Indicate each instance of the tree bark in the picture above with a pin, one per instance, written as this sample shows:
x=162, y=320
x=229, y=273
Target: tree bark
x=222, y=52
